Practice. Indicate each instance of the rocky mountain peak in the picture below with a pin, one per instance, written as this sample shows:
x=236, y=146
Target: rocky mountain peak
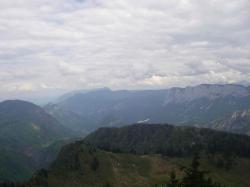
x=211, y=92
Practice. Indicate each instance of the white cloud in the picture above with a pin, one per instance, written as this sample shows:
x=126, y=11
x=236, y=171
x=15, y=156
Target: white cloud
x=73, y=44
x=67, y=69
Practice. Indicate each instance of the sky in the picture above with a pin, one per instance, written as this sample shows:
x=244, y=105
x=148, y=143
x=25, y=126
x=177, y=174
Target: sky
x=50, y=47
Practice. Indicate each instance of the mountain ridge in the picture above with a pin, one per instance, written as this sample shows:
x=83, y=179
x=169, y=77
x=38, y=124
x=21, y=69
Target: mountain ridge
x=178, y=140
x=192, y=105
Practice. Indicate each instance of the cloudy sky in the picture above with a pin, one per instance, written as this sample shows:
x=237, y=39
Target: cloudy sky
x=51, y=46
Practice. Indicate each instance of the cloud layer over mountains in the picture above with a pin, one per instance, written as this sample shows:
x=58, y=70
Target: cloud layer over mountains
x=72, y=44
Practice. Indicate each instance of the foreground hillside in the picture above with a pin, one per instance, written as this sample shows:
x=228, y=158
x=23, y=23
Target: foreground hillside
x=139, y=156
x=80, y=165
x=197, y=105
x=29, y=139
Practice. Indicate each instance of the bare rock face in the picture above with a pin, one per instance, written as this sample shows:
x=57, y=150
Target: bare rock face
x=211, y=92
x=238, y=122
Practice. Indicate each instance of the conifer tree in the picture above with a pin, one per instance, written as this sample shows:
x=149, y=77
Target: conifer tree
x=194, y=177
x=173, y=182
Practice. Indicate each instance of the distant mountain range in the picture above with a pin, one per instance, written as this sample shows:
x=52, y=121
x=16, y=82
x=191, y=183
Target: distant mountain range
x=197, y=106
x=31, y=136
x=29, y=139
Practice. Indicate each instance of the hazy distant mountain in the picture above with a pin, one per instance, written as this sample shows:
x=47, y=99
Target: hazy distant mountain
x=78, y=124
x=28, y=139
x=72, y=93
x=238, y=122
x=207, y=91
x=200, y=104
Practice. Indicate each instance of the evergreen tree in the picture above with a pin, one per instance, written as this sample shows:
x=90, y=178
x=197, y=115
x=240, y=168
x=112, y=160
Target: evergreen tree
x=95, y=164
x=173, y=182
x=194, y=177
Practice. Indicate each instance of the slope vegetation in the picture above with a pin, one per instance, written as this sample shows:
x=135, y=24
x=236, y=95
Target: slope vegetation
x=29, y=139
x=130, y=157
x=169, y=140
x=81, y=165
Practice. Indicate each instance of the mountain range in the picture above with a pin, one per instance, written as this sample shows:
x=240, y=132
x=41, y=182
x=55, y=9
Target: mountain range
x=196, y=106
x=31, y=136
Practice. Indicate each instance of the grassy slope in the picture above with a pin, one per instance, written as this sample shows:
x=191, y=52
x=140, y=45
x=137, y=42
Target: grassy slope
x=238, y=176
x=129, y=170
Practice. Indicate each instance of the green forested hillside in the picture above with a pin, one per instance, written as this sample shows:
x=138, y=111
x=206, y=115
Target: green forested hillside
x=140, y=156
x=29, y=139
x=81, y=165
x=169, y=140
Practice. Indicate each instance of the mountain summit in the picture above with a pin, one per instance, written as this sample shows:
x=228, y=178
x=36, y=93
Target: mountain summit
x=205, y=91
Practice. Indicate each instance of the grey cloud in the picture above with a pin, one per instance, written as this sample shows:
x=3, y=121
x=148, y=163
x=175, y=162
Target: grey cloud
x=122, y=43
